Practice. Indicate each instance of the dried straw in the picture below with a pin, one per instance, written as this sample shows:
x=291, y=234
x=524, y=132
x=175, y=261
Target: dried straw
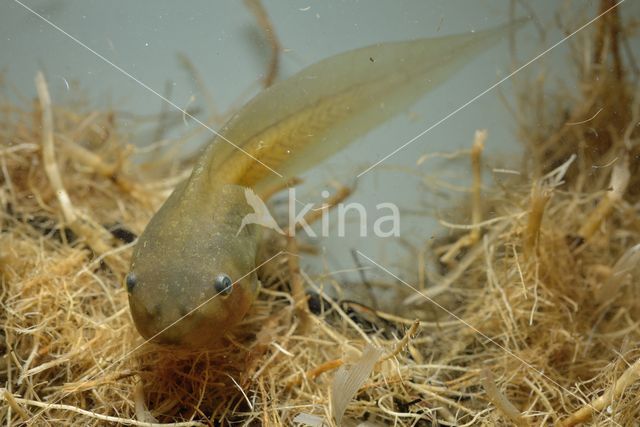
x=544, y=295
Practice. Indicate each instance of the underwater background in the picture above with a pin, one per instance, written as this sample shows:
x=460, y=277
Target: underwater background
x=221, y=40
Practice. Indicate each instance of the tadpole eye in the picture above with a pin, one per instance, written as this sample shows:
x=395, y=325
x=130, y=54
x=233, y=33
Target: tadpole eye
x=131, y=281
x=223, y=284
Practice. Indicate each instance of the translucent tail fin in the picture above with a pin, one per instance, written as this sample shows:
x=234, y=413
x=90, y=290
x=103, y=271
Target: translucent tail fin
x=299, y=122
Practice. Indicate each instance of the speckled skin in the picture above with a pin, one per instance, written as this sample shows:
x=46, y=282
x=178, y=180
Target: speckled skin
x=196, y=229
x=289, y=127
